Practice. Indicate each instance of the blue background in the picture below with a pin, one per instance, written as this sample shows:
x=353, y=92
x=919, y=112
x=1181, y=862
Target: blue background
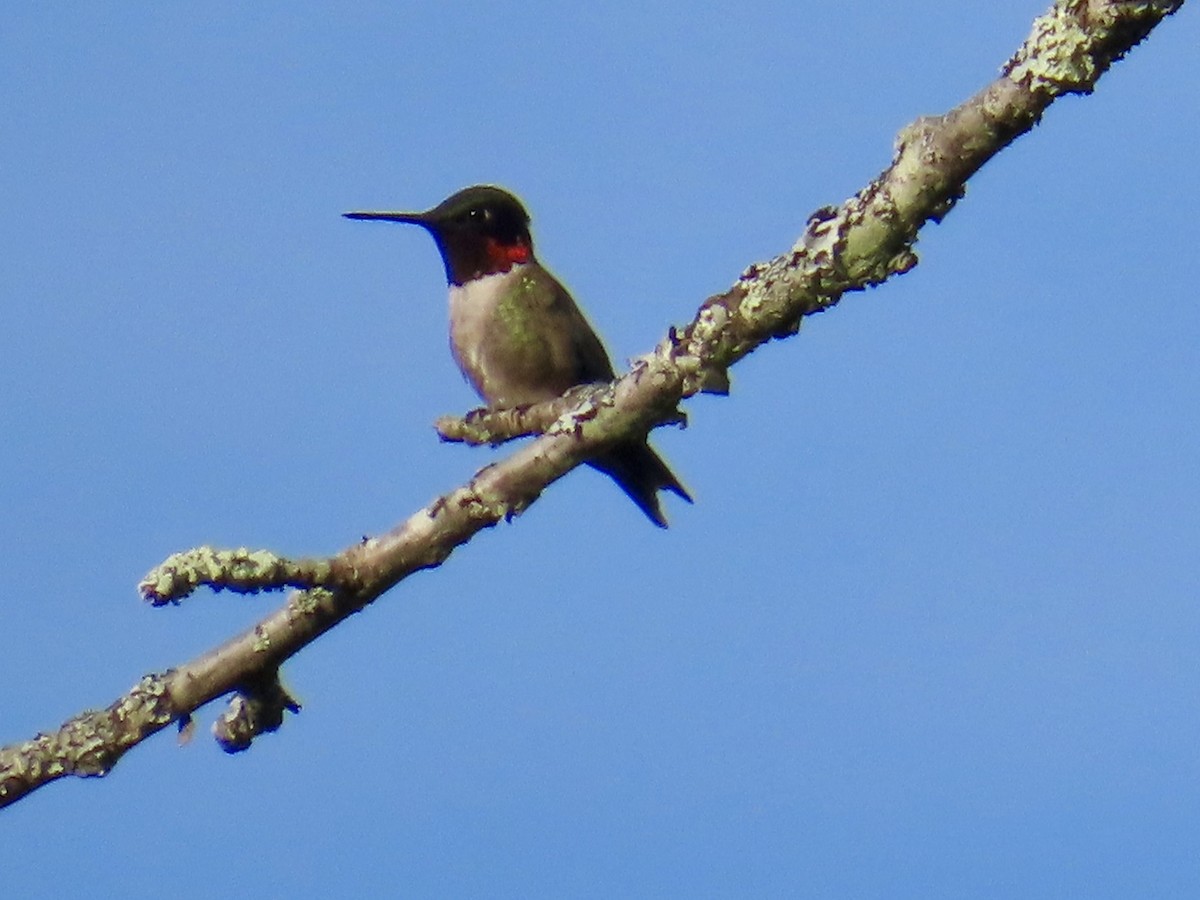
x=930, y=629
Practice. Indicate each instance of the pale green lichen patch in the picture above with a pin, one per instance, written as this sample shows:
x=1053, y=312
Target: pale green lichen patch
x=709, y=327
x=308, y=602
x=869, y=246
x=242, y=570
x=1057, y=57
x=90, y=743
x=591, y=400
x=1075, y=42
x=262, y=639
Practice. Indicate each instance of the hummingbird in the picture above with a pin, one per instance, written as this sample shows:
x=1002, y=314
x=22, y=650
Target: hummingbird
x=515, y=331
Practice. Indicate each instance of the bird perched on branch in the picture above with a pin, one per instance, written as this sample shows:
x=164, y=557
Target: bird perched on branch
x=515, y=332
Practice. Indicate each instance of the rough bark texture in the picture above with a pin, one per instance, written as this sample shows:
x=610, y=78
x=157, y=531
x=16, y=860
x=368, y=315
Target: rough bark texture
x=861, y=243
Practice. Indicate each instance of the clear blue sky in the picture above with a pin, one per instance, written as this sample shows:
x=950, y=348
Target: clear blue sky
x=931, y=628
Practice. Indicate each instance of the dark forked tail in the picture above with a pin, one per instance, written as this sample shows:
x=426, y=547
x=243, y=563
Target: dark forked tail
x=641, y=473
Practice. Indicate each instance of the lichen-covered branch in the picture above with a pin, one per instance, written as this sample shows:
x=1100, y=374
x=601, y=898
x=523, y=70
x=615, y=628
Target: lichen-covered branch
x=243, y=570
x=861, y=243
x=495, y=426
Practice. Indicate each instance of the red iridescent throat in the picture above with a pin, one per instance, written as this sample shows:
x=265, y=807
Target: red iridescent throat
x=504, y=256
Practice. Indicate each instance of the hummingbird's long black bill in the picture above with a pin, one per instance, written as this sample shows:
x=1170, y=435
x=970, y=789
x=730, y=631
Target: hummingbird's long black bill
x=410, y=217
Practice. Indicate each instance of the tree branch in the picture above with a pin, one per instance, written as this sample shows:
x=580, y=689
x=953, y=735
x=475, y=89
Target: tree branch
x=861, y=243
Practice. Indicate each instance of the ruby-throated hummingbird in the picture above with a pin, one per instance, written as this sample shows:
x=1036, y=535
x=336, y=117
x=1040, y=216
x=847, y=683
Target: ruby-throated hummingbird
x=515, y=332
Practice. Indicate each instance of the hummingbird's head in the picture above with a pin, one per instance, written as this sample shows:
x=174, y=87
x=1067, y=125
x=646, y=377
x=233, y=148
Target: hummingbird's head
x=480, y=230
